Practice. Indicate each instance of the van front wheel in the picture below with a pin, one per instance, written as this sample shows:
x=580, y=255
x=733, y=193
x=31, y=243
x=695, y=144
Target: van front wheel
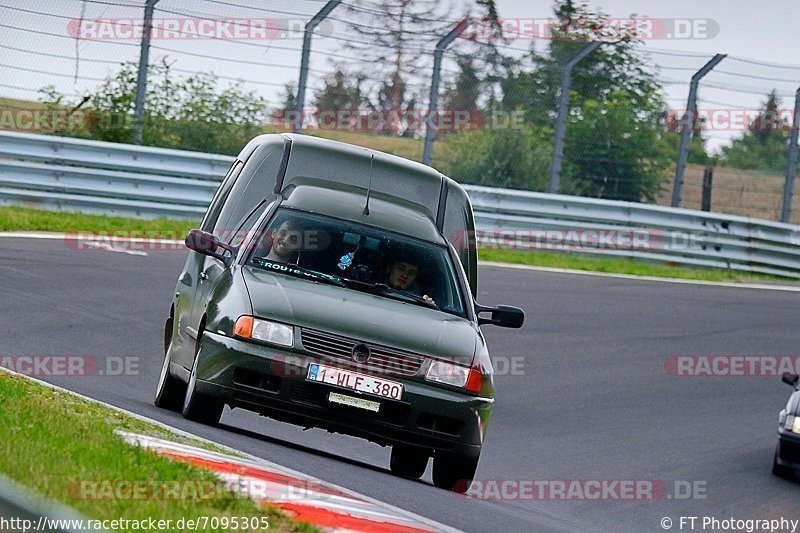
x=200, y=407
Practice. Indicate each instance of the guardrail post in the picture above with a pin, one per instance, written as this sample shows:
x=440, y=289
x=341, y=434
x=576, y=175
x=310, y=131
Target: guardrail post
x=300, y=101
x=561, y=118
x=788, y=187
x=433, y=97
x=141, y=78
x=687, y=127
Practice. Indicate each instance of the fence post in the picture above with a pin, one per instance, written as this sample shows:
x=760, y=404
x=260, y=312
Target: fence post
x=687, y=127
x=561, y=117
x=788, y=187
x=433, y=97
x=300, y=101
x=141, y=77
x=708, y=177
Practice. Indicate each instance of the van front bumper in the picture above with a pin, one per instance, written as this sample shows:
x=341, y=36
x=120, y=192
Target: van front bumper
x=272, y=381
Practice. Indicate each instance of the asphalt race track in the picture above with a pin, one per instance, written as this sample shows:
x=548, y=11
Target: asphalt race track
x=592, y=401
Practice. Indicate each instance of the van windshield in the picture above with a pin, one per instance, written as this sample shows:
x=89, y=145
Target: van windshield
x=358, y=257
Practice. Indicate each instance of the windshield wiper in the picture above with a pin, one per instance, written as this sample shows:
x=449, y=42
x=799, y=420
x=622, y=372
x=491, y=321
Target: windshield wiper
x=297, y=270
x=383, y=288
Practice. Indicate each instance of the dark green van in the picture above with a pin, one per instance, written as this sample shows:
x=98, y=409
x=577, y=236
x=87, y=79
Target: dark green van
x=333, y=286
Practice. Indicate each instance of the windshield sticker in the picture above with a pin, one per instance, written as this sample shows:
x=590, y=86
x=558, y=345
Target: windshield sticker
x=280, y=267
x=345, y=261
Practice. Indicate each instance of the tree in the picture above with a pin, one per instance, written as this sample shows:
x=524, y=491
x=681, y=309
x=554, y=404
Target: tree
x=340, y=96
x=289, y=97
x=340, y=93
x=612, y=67
x=698, y=152
x=765, y=144
x=395, y=39
x=615, y=146
x=463, y=95
x=486, y=56
x=768, y=124
x=614, y=151
x=190, y=113
x=508, y=158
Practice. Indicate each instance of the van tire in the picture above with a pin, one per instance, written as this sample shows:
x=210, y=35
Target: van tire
x=171, y=392
x=408, y=461
x=453, y=471
x=200, y=407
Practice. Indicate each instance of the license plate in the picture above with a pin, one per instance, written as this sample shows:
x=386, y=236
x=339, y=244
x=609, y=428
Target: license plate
x=355, y=381
x=352, y=401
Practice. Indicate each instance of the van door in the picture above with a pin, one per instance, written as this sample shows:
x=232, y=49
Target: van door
x=188, y=281
x=255, y=184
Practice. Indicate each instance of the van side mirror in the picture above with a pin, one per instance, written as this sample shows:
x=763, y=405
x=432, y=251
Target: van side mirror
x=504, y=316
x=790, y=379
x=208, y=244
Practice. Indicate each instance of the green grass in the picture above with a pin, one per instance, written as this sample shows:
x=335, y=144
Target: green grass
x=27, y=219
x=16, y=103
x=52, y=441
x=614, y=265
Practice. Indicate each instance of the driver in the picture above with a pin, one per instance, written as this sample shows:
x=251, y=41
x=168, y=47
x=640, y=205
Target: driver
x=402, y=275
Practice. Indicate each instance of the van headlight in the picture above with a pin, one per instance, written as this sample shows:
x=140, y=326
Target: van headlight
x=249, y=327
x=455, y=375
x=792, y=423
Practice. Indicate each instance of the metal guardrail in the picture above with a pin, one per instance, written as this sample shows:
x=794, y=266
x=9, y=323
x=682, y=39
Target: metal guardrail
x=24, y=510
x=531, y=220
x=108, y=178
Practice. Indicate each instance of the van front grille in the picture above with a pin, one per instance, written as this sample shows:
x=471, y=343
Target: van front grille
x=382, y=360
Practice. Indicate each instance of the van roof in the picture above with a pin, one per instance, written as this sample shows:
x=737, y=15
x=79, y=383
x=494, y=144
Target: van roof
x=338, y=165
x=348, y=204
x=334, y=177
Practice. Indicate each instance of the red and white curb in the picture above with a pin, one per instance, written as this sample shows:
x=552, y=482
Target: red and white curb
x=303, y=497
x=354, y=512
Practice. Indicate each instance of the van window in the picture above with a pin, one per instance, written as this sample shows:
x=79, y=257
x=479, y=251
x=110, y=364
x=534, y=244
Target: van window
x=459, y=231
x=255, y=184
x=212, y=214
x=247, y=226
x=358, y=257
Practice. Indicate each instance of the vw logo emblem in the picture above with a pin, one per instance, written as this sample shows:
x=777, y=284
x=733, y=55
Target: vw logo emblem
x=361, y=353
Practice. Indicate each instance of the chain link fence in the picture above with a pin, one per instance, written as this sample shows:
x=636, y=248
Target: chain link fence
x=517, y=105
